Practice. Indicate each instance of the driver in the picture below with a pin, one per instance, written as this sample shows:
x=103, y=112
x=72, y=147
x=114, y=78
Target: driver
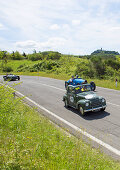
x=76, y=76
x=83, y=88
x=71, y=81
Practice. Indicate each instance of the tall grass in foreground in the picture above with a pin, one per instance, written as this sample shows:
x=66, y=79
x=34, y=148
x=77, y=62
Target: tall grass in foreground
x=30, y=141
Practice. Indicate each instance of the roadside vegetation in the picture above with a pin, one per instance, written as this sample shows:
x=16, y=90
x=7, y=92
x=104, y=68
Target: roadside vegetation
x=101, y=66
x=29, y=141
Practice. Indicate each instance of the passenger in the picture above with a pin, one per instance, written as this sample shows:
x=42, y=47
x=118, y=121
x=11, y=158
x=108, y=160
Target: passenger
x=83, y=88
x=76, y=76
x=71, y=82
x=72, y=78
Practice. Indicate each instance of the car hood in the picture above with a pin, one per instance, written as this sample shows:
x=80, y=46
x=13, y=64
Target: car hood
x=88, y=95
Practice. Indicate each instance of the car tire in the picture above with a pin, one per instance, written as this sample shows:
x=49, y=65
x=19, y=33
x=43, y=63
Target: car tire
x=81, y=110
x=103, y=109
x=18, y=77
x=66, y=84
x=93, y=86
x=66, y=103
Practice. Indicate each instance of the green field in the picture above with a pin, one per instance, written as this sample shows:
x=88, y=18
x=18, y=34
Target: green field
x=29, y=141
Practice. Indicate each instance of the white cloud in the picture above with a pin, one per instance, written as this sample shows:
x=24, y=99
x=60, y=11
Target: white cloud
x=26, y=44
x=54, y=27
x=51, y=44
x=76, y=22
x=115, y=28
x=2, y=26
x=54, y=42
x=63, y=25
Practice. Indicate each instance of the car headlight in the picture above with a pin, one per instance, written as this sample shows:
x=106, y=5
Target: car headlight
x=103, y=100
x=87, y=104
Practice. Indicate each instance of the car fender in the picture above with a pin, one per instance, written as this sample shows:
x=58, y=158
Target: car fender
x=65, y=97
x=81, y=103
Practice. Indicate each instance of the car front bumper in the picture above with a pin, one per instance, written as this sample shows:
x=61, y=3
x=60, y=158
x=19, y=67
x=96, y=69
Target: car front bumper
x=95, y=109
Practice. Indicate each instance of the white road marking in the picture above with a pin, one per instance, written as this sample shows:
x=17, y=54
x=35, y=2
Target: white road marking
x=107, y=146
x=52, y=87
x=113, y=104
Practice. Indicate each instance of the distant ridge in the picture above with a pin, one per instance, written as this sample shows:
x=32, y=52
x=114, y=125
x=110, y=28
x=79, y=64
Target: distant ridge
x=101, y=51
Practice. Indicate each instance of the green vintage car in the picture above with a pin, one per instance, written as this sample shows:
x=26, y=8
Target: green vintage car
x=82, y=97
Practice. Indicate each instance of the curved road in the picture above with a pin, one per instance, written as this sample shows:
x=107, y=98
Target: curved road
x=105, y=126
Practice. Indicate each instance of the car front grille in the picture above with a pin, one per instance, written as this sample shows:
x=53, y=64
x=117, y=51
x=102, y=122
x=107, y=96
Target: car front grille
x=95, y=103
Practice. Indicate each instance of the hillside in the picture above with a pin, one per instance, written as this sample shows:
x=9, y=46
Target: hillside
x=98, y=65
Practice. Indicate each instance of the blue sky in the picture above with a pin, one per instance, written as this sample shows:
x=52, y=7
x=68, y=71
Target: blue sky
x=69, y=26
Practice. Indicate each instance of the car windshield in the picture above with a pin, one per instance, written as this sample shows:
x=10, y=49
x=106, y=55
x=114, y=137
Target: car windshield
x=82, y=88
x=10, y=75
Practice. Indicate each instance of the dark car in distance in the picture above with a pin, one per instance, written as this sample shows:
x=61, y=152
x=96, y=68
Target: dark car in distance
x=82, y=97
x=11, y=77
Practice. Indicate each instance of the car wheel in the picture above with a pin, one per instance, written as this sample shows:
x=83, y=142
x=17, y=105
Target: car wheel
x=66, y=103
x=103, y=109
x=81, y=110
x=18, y=77
x=93, y=86
x=66, y=84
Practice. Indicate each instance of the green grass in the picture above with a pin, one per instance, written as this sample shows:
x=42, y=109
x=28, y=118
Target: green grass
x=29, y=141
x=14, y=64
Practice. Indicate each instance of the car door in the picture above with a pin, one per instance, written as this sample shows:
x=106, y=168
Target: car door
x=71, y=97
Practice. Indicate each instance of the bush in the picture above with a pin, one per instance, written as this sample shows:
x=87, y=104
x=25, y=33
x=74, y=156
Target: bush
x=7, y=69
x=35, y=56
x=23, y=68
x=113, y=63
x=98, y=66
x=82, y=69
x=43, y=65
x=16, y=56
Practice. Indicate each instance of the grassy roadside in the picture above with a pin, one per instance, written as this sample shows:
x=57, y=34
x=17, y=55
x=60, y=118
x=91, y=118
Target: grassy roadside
x=30, y=141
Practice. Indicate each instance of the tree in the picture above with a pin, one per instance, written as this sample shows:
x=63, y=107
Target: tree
x=34, y=51
x=99, y=66
x=16, y=56
x=24, y=55
x=4, y=59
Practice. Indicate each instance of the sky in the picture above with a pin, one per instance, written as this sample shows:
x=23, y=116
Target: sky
x=75, y=27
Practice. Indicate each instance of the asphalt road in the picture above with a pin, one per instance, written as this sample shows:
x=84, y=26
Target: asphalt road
x=48, y=93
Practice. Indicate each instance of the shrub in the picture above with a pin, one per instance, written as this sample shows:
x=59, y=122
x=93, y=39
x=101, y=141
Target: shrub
x=16, y=56
x=113, y=63
x=35, y=56
x=7, y=69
